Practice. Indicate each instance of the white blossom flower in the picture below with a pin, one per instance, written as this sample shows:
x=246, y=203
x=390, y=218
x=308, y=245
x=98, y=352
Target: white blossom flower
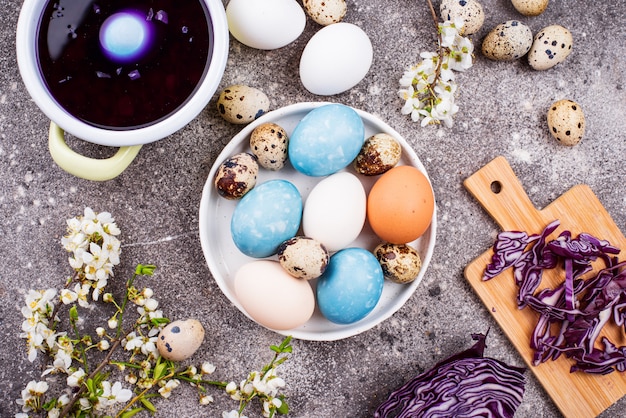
x=103, y=345
x=112, y=394
x=461, y=54
x=132, y=341
x=112, y=323
x=166, y=390
x=232, y=414
x=207, y=368
x=206, y=399
x=76, y=379
x=68, y=296
x=61, y=364
x=31, y=395
x=82, y=293
x=449, y=31
x=151, y=305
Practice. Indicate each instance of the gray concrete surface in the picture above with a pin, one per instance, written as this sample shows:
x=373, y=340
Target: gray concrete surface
x=156, y=201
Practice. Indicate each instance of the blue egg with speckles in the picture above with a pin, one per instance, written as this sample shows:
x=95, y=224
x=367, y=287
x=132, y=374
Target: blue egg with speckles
x=326, y=140
x=351, y=286
x=265, y=217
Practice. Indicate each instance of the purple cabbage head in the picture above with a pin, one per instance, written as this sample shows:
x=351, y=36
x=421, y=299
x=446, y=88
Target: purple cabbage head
x=466, y=384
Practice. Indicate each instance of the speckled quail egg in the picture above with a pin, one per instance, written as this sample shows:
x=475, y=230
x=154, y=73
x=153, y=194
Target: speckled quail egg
x=401, y=263
x=379, y=153
x=236, y=176
x=241, y=104
x=470, y=11
x=566, y=122
x=325, y=12
x=269, y=142
x=507, y=41
x=530, y=7
x=179, y=340
x=550, y=47
x=303, y=257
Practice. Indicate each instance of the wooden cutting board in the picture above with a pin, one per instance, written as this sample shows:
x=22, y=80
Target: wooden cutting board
x=499, y=191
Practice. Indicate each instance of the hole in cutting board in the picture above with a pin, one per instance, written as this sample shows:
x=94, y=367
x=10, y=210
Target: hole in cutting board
x=496, y=187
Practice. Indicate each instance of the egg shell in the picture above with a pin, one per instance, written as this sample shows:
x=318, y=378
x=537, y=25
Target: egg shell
x=325, y=12
x=273, y=297
x=530, y=7
x=470, y=11
x=400, y=205
x=507, y=41
x=241, y=104
x=334, y=211
x=335, y=59
x=326, y=140
x=379, y=153
x=267, y=24
x=303, y=257
x=269, y=143
x=236, y=176
x=265, y=217
x=350, y=287
x=566, y=122
x=179, y=340
x=551, y=46
x=401, y=263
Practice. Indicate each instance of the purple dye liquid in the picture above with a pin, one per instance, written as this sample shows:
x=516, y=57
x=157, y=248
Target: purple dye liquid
x=117, y=94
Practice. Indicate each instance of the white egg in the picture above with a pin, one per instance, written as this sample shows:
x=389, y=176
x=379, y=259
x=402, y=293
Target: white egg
x=335, y=59
x=267, y=24
x=273, y=297
x=334, y=211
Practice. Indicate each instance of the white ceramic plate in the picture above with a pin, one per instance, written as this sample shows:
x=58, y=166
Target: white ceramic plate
x=224, y=258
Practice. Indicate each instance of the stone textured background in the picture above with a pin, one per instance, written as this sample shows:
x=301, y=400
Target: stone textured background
x=503, y=112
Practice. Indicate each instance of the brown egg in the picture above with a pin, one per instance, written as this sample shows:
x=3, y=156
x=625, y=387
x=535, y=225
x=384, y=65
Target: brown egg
x=400, y=205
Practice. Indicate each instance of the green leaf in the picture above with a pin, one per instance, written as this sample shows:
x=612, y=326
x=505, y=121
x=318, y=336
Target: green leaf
x=149, y=406
x=91, y=387
x=145, y=269
x=159, y=371
x=132, y=412
x=159, y=321
x=284, y=408
x=73, y=313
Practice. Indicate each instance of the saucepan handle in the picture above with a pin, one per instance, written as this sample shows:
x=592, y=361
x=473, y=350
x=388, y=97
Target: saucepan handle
x=85, y=167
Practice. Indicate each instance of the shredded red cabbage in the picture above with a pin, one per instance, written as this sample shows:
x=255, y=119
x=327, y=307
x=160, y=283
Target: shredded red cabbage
x=464, y=385
x=577, y=308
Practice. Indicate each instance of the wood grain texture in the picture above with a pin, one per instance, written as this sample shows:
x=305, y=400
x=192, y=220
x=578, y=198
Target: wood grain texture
x=500, y=192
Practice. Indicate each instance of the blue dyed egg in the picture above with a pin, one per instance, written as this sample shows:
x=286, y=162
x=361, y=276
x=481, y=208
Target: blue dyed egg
x=350, y=287
x=265, y=217
x=326, y=140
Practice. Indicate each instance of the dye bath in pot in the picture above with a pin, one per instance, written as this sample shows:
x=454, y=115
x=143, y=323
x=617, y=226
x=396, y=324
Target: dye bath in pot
x=122, y=64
